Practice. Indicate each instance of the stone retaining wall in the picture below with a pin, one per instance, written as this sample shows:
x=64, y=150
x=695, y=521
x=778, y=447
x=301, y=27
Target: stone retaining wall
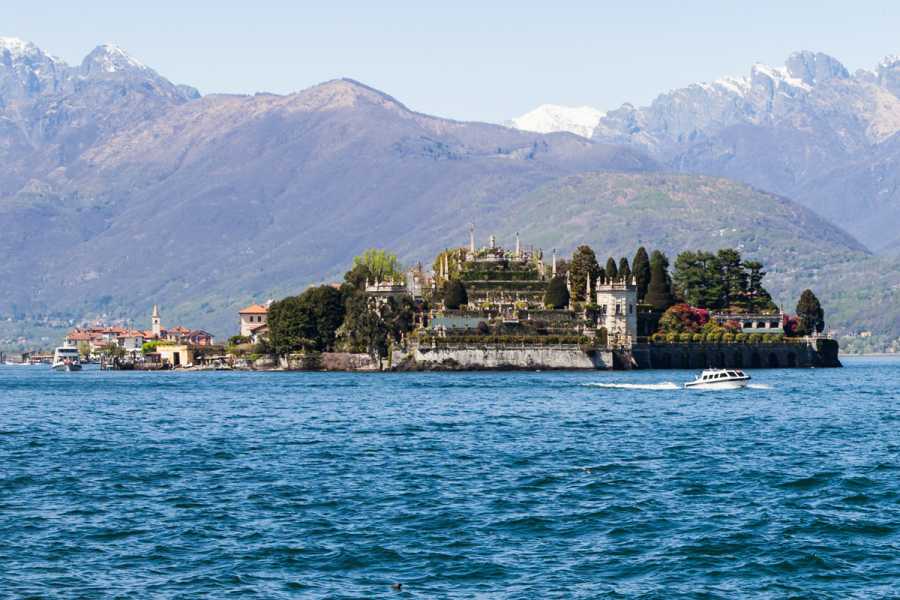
x=818, y=353
x=501, y=358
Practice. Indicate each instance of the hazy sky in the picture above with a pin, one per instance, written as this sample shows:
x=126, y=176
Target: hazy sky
x=468, y=60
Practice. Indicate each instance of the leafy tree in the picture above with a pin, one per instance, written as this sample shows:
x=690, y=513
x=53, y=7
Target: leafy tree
x=399, y=316
x=810, y=314
x=326, y=305
x=755, y=277
x=557, y=296
x=364, y=326
x=306, y=322
x=291, y=326
x=358, y=276
x=698, y=279
x=624, y=270
x=759, y=298
x=659, y=291
x=113, y=351
x=382, y=264
x=370, y=324
x=455, y=294
x=584, y=263
x=373, y=265
x=733, y=278
x=612, y=271
x=640, y=267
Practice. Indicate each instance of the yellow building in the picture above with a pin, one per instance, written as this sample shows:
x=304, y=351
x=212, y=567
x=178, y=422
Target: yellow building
x=177, y=355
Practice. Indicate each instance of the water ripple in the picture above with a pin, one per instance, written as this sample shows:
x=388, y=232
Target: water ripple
x=524, y=485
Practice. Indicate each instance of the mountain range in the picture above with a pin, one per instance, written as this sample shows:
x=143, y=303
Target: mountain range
x=121, y=189
x=809, y=130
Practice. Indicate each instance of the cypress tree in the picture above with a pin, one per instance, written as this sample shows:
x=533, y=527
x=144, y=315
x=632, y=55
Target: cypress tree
x=659, y=291
x=612, y=272
x=810, y=313
x=624, y=270
x=640, y=267
x=557, y=296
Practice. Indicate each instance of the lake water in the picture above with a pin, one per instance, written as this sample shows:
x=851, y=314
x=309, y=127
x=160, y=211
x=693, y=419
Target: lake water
x=526, y=485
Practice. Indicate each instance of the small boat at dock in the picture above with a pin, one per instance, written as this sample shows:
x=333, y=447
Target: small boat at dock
x=66, y=358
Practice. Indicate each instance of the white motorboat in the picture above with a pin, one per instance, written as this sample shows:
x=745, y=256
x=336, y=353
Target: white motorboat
x=66, y=358
x=720, y=379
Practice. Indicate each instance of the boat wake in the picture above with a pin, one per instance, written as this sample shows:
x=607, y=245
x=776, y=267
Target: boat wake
x=667, y=385
x=759, y=386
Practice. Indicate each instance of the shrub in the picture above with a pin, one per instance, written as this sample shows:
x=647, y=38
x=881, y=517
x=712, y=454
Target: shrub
x=659, y=337
x=557, y=295
x=685, y=337
x=740, y=338
x=714, y=336
x=754, y=338
x=728, y=338
x=671, y=337
x=698, y=337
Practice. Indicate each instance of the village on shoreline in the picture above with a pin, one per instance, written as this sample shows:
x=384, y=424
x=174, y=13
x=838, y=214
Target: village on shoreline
x=493, y=308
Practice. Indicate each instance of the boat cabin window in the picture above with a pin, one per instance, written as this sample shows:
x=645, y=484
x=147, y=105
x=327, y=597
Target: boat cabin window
x=733, y=374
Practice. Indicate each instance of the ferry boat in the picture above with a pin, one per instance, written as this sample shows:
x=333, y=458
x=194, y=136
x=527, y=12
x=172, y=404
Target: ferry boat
x=719, y=379
x=66, y=358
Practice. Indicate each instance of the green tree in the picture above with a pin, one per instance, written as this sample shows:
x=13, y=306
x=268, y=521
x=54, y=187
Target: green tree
x=306, y=322
x=455, y=294
x=733, y=278
x=759, y=297
x=612, y=271
x=373, y=264
x=698, y=279
x=810, y=314
x=583, y=264
x=291, y=326
x=659, y=291
x=557, y=295
x=364, y=326
x=326, y=306
x=357, y=277
x=640, y=267
x=624, y=270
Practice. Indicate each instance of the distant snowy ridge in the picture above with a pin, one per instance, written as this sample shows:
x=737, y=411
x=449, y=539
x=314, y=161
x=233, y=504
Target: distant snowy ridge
x=550, y=118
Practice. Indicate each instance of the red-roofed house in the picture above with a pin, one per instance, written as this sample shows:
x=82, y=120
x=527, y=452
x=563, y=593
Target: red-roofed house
x=252, y=317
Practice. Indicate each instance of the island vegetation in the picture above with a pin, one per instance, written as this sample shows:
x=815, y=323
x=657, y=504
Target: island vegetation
x=491, y=296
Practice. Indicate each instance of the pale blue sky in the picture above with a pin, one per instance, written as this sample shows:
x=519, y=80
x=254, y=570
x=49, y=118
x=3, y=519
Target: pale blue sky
x=468, y=60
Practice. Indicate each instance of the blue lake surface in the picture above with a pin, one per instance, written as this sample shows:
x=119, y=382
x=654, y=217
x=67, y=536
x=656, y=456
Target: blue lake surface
x=522, y=485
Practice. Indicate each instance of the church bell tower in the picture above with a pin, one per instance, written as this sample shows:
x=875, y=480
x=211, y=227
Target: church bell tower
x=155, y=322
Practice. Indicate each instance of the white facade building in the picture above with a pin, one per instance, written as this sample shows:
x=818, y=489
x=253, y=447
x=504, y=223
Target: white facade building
x=618, y=311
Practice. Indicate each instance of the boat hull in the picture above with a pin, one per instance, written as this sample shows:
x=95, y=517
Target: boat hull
x=67, y=368
x=717, y=385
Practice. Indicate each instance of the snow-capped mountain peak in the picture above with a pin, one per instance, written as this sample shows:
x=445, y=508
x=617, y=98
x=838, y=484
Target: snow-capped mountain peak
x=17, y=48
x=550, y=118
x=110, y=58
